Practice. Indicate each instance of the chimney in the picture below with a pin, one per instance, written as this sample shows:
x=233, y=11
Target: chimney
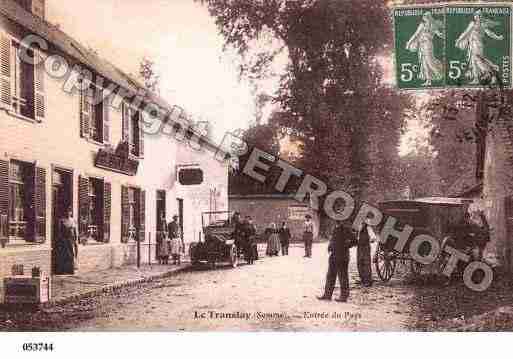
x=36, y=7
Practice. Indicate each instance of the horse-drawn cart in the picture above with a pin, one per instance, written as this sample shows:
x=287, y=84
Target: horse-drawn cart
x=437, y=217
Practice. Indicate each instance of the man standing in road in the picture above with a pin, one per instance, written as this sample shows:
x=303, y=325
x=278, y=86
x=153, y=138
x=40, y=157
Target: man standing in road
x=341, y=241
x=284, y=239
x=253, y=239
x=248, y=237
x=308, y=235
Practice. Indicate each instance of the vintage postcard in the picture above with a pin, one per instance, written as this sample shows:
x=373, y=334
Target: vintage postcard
x=255, y=166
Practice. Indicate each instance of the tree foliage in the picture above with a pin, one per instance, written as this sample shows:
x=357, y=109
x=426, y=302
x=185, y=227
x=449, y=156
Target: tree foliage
x=265, y=138
x=149, y=75
x=348, y=121
x=451, y=124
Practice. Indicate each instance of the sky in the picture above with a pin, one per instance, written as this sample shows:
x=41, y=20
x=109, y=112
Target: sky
x=183, y=41
x=180, y=37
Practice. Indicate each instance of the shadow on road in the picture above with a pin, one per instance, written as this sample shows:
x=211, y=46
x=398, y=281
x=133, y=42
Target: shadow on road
x=455, y=307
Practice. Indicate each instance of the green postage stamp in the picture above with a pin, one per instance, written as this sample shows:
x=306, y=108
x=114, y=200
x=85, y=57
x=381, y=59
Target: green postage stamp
x=453, y=45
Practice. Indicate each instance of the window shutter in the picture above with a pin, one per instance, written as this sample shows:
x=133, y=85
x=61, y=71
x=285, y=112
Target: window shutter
x=4, y=202
x=85, y=115
x=125, y=121
x=83, y=206
x=5, y=72
x=142, y=215
x=29, y=178
x=106, y=119
x=125, y=214
x=40, y=204
x=107, y=190
x=141, y=141
x=39, y=84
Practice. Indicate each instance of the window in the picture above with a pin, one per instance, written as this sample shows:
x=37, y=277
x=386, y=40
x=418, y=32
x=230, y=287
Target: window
x=95, y=219
x=133, y=216
x=131, y=130
x=133, y=209
x=94, y=107
x=22, y=202
x=94, y=114
x=133, y=133
x=94, y=209
x=161, y=211
x=18, y=206
x=23, y=84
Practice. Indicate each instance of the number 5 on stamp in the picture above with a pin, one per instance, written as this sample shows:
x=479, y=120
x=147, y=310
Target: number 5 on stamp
x=478, y=45
x=419, y=47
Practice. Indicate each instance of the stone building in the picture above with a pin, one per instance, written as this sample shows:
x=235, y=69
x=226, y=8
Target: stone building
x=60, y=148
x=275, y=208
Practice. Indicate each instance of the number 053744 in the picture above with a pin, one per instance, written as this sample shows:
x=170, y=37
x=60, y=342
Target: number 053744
x=37, y=347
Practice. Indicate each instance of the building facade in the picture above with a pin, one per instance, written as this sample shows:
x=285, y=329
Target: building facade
x=62, y=149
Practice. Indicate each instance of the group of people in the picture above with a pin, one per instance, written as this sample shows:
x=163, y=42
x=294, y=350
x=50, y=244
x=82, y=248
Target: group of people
x=344, y=237
x=277, y=239
x=170, y=243
x=245, y=235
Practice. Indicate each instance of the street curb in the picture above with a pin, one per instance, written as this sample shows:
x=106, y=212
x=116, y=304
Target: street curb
x=112, y=288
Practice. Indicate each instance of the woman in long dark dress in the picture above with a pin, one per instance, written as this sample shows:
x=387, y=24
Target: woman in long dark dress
x=363, y=255
x=273, y=241
x=66, y=245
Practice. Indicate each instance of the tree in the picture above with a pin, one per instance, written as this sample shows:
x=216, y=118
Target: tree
x=265, y=138
x=418, y=172
x=149, y=75
x=348, y=122
x=451, y=123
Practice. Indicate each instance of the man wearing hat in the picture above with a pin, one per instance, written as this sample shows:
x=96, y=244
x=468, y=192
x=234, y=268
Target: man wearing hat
x=342, y=240
x=308, y=234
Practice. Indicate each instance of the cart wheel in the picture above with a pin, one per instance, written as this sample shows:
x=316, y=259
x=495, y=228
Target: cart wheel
x=234, y=257
x=442, y=263
x=385, y=264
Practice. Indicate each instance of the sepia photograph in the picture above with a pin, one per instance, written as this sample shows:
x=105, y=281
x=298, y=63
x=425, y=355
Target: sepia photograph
x=243, y=166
